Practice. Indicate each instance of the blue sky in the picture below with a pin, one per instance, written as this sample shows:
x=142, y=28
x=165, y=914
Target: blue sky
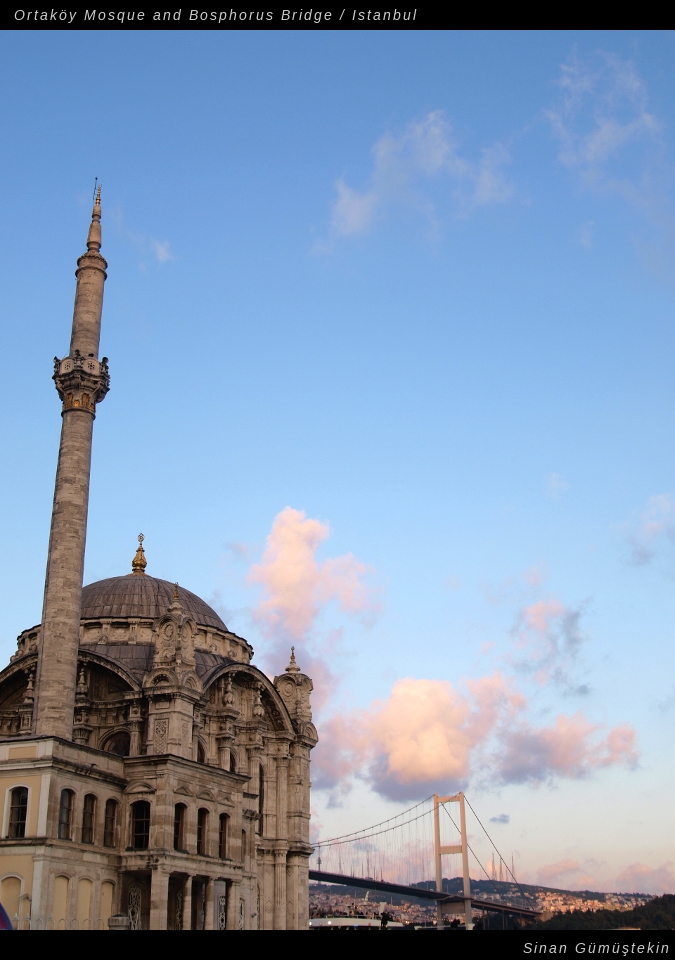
x=418, y=289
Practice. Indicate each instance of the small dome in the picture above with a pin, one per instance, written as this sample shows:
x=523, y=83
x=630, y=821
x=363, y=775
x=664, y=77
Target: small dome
x=143, y=596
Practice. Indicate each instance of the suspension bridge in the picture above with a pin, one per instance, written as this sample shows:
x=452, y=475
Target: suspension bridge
x=401, y=855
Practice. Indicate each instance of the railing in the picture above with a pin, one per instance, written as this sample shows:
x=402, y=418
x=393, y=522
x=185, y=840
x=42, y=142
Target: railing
x=27, y=923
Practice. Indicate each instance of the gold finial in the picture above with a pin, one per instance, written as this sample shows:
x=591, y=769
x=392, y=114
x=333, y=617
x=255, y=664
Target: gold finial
x=292, y=666
x=98, y=195
x=139, y=563
x=175, y=592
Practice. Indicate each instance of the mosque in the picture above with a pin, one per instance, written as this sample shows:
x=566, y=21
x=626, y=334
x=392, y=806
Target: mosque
x=151, y=777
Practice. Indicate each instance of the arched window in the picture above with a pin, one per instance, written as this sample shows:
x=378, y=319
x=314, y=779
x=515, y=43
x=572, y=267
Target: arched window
x=66, y=815
x=222, y=836
x=119, y=744
x=110, y=824
x=202, y=826
x=140, y=825
x=243, y=845
x=179, y=826
x=201, y=754
x=18, y=809
x=88, y=818
x=259, y=827
x=233, y=762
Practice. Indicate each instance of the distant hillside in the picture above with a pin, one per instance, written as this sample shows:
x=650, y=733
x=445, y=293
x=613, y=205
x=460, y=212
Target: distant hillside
x=488, y=888
x=523, y=893
x=658, y=914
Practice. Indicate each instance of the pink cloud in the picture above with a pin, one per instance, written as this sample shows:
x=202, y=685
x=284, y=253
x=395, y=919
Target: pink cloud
x=570, y=748
x=428, y=735
x=549, y=634
x=639, y=878
x=538, y=616
x=547, y=875
x=535, y=576
x=295, y=587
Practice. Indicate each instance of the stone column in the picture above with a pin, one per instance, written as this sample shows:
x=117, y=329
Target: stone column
x=136, y=723
x=81, y=381
x=303, y=893
x=232, y=904
x=187, y=905
x=208, y=896
x=280, y=889
x=292, y=893
x=159, y=899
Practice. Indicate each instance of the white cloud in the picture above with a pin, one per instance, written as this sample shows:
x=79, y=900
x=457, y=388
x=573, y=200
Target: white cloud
x=162, y=250
x=556, y=485
x=406, y=166
x=657, y=520
x=604, y=107
x=586, y=235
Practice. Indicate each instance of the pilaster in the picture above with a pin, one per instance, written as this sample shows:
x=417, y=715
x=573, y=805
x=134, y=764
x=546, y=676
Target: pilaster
x=280, y=887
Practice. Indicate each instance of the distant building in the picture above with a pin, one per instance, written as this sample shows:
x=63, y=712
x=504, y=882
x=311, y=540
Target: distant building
x=147, y=768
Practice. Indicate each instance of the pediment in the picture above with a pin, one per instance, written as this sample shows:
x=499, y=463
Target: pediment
x=142, y=787
x=205, y=795
x=184, y=790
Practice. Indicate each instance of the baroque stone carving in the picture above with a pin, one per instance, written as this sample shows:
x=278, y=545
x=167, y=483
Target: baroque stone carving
x=81, y=382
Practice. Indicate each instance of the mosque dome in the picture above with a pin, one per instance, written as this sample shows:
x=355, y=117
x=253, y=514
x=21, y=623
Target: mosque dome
x=144, y=597
x=138, y=595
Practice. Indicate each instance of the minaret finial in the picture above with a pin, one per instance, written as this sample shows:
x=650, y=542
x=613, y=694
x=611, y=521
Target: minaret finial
x=139, y=563
x=94, y=237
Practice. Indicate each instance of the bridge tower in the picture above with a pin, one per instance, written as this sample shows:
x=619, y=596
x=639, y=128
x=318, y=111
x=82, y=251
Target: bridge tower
x=461, y=847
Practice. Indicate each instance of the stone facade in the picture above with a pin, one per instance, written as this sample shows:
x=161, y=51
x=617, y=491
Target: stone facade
x=147, y=768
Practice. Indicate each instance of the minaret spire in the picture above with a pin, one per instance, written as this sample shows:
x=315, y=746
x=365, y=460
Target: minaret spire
x=82, y=380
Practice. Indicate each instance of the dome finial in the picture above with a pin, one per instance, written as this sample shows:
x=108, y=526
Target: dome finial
x=139, y=563
x=176, y=605
x=292, y=666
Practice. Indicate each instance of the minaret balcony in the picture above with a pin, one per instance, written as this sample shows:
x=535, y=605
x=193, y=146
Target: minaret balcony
x=81, y=382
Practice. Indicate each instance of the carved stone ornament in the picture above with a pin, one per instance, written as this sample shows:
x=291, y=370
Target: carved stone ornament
x=81, y=382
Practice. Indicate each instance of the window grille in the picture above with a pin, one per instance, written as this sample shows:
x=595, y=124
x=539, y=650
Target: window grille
x=65, y=814
x=18, y=810
x=179, y=827
x=110, y=823
x=141, y=825
x=202, y=821
x=222, y=836
x=88, y=813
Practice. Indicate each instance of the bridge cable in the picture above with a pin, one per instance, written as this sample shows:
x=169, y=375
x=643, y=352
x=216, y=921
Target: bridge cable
x=357, y=834
x=471, y=850
x=495, y=847
x=338, y=841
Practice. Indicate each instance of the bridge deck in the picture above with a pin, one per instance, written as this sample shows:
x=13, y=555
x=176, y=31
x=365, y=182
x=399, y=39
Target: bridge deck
x=420, y=893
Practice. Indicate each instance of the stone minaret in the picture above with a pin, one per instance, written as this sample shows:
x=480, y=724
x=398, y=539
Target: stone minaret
x=81, y=381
